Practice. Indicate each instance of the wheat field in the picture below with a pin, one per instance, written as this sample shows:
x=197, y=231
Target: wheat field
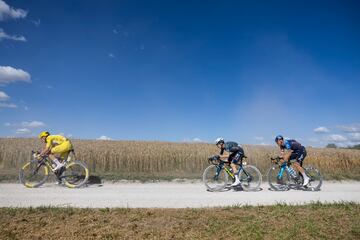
x=167, y=160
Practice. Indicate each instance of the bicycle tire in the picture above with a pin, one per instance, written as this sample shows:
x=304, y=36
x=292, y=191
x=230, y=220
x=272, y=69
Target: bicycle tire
x=316, y=178
x=31, y=177
x=75, y=175
x=212, y=182
x=272, y=179
x=252, y=182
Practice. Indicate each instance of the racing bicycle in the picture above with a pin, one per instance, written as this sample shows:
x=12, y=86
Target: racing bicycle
x=73, y=174
x=216, y=176
x=283, y=177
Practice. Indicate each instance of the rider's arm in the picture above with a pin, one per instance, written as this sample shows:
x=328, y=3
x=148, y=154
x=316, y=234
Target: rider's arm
x=286, y=154
x=224, y=156
x=46, y=149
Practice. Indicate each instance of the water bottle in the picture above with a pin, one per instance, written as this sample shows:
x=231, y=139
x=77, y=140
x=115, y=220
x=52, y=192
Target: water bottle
x=291, y=171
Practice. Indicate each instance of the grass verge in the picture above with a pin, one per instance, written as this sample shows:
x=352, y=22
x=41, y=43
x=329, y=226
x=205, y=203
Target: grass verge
x=313, y=221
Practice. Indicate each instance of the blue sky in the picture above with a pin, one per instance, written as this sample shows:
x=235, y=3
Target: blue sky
x=181, y=70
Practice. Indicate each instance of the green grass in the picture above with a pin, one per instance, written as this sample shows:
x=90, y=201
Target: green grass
x=313, y=221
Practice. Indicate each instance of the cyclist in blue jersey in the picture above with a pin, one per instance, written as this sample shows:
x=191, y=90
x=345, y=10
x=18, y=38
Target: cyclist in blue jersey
x=292, y=150
x=233, y=153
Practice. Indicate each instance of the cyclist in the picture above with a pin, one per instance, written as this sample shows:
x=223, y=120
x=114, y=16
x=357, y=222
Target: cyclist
x=56, y=147
x=233, y=153
x=292, y=150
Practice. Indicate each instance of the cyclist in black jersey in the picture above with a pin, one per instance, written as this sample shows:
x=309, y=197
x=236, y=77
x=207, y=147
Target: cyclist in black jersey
x=293, y=150
x=233, y=153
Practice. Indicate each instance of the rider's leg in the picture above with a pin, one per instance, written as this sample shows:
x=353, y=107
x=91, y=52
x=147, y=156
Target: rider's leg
x=60, y=149
x=299, y=168
x=55, y=160
x=234, y=161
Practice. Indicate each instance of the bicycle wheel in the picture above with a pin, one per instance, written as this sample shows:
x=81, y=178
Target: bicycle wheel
x=75, y=174
x=250, y=178
x=275, y=184
x=316, y=178
x=215, y=178
x=33, y=175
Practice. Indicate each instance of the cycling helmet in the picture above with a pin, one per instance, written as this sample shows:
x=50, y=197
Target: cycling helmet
x=279, y=137
x=44, y=134
x=219, y=140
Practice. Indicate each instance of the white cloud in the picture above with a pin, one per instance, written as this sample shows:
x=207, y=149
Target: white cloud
x=197, y=140
x=7, y=105
x=23, y=131
x=9, y=74
x=33, y=124
x=36, y=22
x=336, y=138
x=7, y=12
x=265, y=144
x=351, y=128
x=321, y=130
x=3, y=96
x=4, y=35
x=193, y=140
x=111, y=55
x=355, y=137
x=259, y=138
x=104, y=138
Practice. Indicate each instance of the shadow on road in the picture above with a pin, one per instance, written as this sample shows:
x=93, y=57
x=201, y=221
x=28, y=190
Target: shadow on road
x=94, y=180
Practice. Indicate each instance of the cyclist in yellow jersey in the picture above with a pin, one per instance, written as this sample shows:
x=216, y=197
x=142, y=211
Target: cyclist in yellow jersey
x=56, y=147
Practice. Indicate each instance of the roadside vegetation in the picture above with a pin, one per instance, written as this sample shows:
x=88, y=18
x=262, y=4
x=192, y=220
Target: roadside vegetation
x=139, y=160
x=313, y=221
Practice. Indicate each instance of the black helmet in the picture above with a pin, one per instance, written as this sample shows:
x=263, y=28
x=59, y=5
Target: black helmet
x=279, y=137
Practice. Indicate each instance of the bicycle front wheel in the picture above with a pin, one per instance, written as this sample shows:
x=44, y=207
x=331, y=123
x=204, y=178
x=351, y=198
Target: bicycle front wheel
x=215, y=178
x=250, y=178
x=75, y=175
x=275, y=183
x=33, y=175
x=316, y=178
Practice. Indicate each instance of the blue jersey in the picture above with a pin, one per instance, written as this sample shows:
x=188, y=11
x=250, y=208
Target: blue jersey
x=293, y=145
x=231, y=147
x=228, y=146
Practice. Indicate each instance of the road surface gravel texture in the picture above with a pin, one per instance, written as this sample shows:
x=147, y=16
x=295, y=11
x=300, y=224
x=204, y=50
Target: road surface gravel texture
x=167, y=195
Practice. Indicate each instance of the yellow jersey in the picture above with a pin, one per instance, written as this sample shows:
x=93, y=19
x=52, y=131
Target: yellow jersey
x=54, y=140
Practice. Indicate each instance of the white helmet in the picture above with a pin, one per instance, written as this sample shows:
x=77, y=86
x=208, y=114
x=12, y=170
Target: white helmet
x=219, y=140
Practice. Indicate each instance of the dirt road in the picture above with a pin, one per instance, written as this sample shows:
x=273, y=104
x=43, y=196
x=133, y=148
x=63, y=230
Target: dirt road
x=166, y=195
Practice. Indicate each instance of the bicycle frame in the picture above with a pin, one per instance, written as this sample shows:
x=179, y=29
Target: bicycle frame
x=222, y=165
x=47, y=162
x=283, y=168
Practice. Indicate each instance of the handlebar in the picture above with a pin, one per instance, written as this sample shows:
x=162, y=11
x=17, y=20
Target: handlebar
x=35, y=155
x=276, y=159
x=214, y=159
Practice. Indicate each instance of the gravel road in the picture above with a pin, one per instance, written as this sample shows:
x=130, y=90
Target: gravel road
x=166, y=195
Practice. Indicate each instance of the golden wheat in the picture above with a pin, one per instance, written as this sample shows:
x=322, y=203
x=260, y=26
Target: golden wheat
x=131, y=158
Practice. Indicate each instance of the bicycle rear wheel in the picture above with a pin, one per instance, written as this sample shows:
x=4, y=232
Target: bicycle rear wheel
x=75, y=175
x=33, y=175
x=275, y=183
x=215, y=178
x=315, y=178
x=250, y=178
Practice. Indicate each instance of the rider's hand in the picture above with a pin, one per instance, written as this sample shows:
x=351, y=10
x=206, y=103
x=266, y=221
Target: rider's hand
x=38, y=156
